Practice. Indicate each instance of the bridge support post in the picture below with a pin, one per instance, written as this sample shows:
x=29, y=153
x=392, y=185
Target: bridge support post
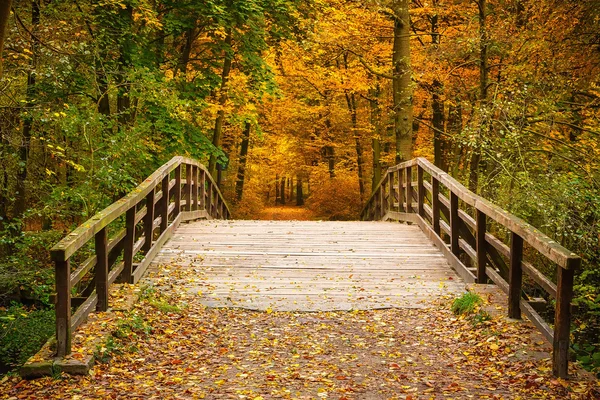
x=177, y=188
x=421, y=192
x=194, y=188
x=401, y=190
x=481, y=227
x=515, y=276
x=164, y=204
x=188, y=187
x=454, y=224
x=202, y=192
x=129, y=243
x=101, y=272
x=562, y=319
x=63, y=307
x=435, y=205
x=409, y=190
x=391, y=191
x=149, y=222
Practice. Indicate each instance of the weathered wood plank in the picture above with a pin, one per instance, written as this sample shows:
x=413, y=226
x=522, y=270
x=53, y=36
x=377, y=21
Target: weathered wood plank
x=304, y=265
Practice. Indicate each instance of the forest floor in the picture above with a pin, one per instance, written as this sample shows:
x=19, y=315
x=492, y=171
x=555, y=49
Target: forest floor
x=287, y=213
x=170, y=346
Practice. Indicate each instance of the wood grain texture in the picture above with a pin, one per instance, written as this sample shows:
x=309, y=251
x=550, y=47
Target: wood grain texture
x=309, y=266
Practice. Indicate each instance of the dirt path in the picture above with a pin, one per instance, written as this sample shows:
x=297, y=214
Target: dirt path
x=287, y=213
x=172, y=347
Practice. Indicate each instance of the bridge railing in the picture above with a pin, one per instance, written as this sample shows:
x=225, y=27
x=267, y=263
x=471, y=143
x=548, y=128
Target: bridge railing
x=459, y=221
x=90, y=259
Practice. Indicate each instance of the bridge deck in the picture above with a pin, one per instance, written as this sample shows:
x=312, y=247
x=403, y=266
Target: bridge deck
x=308, y=266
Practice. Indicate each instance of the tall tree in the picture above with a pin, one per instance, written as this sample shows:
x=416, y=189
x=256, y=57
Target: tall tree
x=402, y=83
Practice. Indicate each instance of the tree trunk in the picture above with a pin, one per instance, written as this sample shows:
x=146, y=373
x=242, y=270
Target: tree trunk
x=20, y=204
x=455, y=127
x=212, y=164
x=436, y=104
x=282, y=191
x=483, y=86
x=185, y=53
x=241, y=175
x=299, y=194
x=438, y=125
x=124, y=86
x=276, y=189
x=377, y=135
x=351, y=102
x=4, y=16
x=402, y=85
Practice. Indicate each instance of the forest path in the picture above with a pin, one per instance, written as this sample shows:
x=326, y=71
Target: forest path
x=286, y=213
x=170, y=346
x=305, y=265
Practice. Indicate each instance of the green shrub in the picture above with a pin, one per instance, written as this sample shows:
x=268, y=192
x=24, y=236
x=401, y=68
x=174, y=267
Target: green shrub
x=467, y=304
x=22, y=334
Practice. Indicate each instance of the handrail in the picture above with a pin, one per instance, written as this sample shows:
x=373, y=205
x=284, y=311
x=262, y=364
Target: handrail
x=157, y=205
x=398, y=196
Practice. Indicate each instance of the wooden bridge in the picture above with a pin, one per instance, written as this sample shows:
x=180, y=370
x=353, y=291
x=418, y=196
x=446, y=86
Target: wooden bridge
x=453, y=237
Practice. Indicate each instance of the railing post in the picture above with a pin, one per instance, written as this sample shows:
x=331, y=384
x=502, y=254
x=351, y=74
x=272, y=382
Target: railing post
x=62, y=274
x=195, y=188
x=562, y=319
x=126, y=275
x=149, y=221
x=435, y=205
x=177, y=209
x=164, y=204
x=515, y=276
x=481, y=245
x=421, y=192
x=401, y=190
x=409, y=190
x=101, y=271
x=454, y=247
x=381, y=200
x=202, y=187
x=391, y=191
x=209, y=205
x=188, y=187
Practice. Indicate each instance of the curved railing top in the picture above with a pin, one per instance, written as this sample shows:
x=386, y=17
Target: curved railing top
x=538, y=240
x=84, y=232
